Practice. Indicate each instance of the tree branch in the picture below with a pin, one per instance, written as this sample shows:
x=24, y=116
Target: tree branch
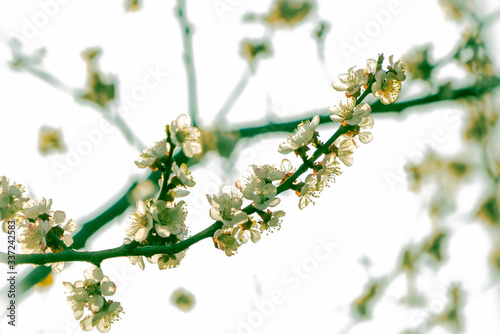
x=121, y=205
x=96, y=257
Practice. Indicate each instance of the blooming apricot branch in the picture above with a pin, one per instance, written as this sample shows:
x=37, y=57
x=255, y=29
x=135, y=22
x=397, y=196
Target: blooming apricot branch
x=157, y=230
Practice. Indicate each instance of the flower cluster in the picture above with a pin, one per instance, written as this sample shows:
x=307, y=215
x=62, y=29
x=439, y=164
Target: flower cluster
x=387, y=84
x=41, y=230
x=180, y=134
x=156, y=223
x=226, y=206
x=46, y=231
x=259, y=185
x=355, y=78
x=12, y=201
x=152, y=156
x=161, y=221
x=90, y=294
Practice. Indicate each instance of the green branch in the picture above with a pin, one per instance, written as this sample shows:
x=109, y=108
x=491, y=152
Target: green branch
x=96, y=257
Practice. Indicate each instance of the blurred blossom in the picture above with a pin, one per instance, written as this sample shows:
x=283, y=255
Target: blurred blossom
x=482, y=118
x=142, y=191
x=288, y=13
x=253, y=50
x=50, y=140
x=473, y=54
x=20, y=60
x=435, y=245
x=489, y=210
x=452, y=316
x=418, y=63
x=455, y=9
x=495, y=259
x=183, y=300
x=100, y=89
x=133, y=5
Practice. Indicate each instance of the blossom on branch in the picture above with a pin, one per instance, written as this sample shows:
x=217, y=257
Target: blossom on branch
x=141, y=222
x=169, y=218
x=226, y=239
x=387, y=85
x=12, y=201
x=186, y=136
x=302, y=136
x=151, y=157
x=257, y=185
x=90, y=294
x=226, y=207
x=45, y=231
x=349, y=112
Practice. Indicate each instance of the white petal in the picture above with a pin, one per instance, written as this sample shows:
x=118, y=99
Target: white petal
x=339, y=86
x=59, y=217
x=86, y=323
x=96, y=302
x=108, y=288
x=365, y=137
x=162, y=230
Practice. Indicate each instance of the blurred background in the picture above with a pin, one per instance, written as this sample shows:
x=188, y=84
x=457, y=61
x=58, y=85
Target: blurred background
x=405, y=241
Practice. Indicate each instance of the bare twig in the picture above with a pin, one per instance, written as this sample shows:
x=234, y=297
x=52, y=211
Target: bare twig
x=187, y=41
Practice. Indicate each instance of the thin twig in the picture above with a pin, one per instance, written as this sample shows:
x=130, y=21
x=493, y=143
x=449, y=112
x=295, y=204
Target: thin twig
x=187, y=41
x=233, y=97
x=113, y=118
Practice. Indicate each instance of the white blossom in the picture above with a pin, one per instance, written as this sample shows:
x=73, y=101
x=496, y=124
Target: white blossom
x=186, y=136
x=169, y=218
x=151, y=156
x=308, y=191
x=226, y=207
x=301, y=137
x=183, y=175
x=329, y=169
x=275, y=218
x=387, y=85
x=103, y=319
x=35, y=209
x=141, y=222
x=90, y=294
x=139, y=260
x=257, y=185
x=366, y=124
x=226, y=239
x=349, y=112
x=12, y=201
x=345, y=149
x=167, y=261
x=351, y=82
